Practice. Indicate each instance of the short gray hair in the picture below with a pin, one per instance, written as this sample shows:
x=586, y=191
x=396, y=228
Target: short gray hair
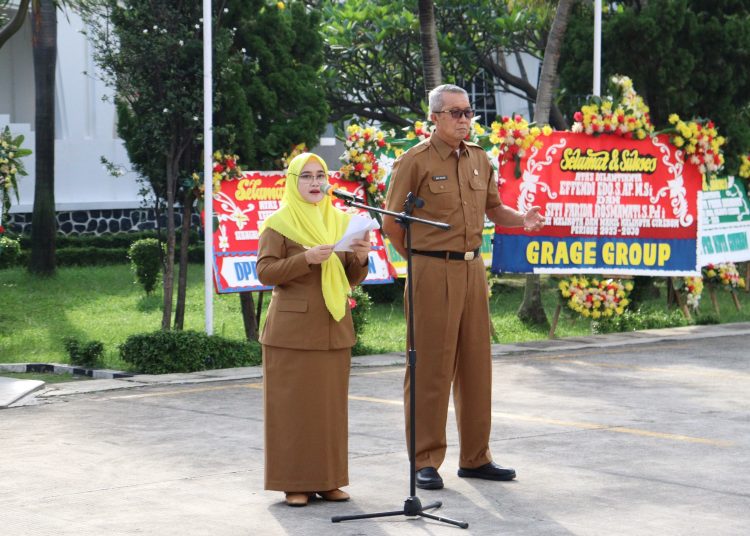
x=436, y=95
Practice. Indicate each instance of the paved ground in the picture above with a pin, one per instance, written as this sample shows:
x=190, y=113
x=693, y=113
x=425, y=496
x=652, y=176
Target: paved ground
x=637, y=434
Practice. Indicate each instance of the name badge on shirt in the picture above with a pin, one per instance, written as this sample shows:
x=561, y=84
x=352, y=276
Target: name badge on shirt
x=440, y=177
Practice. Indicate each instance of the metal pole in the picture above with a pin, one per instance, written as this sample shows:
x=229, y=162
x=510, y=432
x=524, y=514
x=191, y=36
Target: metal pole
x=208, y=151
x=597, y=48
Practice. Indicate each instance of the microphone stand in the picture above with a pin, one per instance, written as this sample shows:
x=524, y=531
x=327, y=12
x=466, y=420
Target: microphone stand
x=412, y=506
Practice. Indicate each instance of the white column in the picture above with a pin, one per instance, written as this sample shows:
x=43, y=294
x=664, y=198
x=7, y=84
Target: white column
x=208, y=151
x=597, y=48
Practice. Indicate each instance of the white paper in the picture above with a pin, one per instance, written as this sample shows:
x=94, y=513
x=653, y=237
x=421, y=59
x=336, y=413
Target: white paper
x=358, y=227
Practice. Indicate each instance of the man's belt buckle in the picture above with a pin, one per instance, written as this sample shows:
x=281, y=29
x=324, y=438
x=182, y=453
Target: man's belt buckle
x=469, y=256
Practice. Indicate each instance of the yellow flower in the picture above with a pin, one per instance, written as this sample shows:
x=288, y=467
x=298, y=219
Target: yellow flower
x=546, y=130
x=673, y=118
x=280, y=5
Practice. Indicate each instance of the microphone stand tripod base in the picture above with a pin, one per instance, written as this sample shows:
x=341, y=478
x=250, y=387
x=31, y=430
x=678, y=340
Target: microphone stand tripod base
x=412, y=508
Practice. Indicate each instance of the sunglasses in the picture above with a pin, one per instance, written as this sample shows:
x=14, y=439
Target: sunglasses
x=456, y=114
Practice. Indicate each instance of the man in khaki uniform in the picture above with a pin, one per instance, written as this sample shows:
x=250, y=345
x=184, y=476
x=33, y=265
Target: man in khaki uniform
x=452, y=326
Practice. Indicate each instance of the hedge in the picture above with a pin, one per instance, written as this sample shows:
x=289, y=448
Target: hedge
x=162, y=352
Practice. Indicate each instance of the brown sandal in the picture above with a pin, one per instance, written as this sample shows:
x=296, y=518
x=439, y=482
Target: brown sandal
x=297, y=498
x=335, y=495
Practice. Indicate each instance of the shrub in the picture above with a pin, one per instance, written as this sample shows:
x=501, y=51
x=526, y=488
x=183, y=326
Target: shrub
x=145, y=260
x=83, y=354
x=91, y=256
x=106, y=249
x=163, y=352
x=121, y=240
x=387, y=292
x=640, y=319
x=361, y=310
x=705, y=319
x=360, y=317
x=10, y=252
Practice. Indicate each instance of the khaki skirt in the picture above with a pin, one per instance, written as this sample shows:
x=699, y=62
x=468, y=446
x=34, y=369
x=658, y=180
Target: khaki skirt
x=306, y=421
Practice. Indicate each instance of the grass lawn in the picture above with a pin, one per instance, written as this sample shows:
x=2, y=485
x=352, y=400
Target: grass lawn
x=103, y=303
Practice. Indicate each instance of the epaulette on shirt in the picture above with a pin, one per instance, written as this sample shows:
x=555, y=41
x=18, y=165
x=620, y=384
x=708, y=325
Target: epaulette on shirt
x=416, y=149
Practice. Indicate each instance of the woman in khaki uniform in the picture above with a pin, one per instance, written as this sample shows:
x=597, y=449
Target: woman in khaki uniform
x=307, y=337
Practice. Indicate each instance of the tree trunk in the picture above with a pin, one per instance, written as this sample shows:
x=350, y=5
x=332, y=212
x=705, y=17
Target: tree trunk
x=187, y=213
x=15, y=24
x=433, y=75
x=44, y=223
x=644, y=289
x=532, y=309
x=548, y=76
x=248, y=316
x=168, y=279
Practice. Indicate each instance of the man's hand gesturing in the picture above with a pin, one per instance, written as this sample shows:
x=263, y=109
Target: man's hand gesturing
x=532, y=220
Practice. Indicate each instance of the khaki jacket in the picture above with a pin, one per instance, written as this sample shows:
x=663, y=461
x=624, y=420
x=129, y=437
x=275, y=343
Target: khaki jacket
x=297, y=315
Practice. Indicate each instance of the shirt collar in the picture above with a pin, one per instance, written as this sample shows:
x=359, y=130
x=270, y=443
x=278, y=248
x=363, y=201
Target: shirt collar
x=443, y=149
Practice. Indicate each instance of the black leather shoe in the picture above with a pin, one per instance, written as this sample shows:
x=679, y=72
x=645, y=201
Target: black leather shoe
x=428, y=478
x=488, y=471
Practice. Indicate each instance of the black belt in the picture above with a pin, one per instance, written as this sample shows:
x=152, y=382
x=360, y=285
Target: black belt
x=449, y=255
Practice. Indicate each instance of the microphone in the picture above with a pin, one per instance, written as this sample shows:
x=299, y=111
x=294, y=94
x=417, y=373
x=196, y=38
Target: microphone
x=341, y=194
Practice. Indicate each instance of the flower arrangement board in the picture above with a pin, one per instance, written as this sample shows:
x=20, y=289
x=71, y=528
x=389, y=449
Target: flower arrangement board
x=240, y=208
x=724, y=222
x=612, y=205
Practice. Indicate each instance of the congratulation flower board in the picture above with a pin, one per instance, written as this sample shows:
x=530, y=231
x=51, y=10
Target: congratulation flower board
x=241, y=206
x=725, y=222
x=612, y=205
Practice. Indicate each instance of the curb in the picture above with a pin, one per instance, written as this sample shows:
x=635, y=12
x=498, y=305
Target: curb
x=107, y=380
x=57, y=368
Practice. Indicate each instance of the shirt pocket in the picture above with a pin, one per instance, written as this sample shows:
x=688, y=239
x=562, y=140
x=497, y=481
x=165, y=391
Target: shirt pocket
x=478, y=187
x=292, y=306
x=443, y=196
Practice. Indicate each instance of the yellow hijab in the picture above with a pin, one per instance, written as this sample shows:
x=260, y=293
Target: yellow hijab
x=313, y=224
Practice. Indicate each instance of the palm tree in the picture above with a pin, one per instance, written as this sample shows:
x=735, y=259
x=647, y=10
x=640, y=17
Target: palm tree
x=531, y=309
x=433, y=75
x=44, y=223
x=14, y=24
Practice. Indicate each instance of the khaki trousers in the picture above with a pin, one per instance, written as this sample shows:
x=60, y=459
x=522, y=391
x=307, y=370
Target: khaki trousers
x=452, y=341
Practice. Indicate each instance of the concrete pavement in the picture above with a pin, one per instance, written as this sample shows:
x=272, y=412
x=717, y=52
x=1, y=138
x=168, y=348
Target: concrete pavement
x=634, y=434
